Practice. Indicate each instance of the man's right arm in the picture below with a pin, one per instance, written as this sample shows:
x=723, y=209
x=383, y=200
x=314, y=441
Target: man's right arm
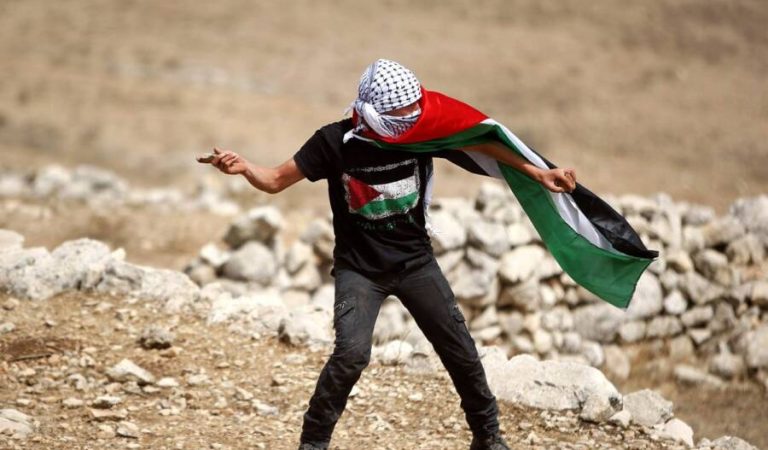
x=270, y=180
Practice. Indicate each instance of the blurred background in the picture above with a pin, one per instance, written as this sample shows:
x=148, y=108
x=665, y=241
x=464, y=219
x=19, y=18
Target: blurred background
x=639, y=97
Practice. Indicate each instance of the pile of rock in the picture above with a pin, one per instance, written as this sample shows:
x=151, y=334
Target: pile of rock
x=102, y=188
x=707, y=294
x=87, y=265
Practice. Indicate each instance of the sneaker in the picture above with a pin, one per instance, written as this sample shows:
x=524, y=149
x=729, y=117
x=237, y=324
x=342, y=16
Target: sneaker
x=313, y=446
x=492, y=442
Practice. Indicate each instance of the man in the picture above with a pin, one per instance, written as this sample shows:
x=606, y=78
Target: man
x=379, y=200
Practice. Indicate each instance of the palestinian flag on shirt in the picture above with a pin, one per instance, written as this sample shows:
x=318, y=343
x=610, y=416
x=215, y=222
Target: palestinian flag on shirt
x=592, y=242
x=382, y=191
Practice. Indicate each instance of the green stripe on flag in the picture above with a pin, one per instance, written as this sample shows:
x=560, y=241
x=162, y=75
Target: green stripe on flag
x=389, y=206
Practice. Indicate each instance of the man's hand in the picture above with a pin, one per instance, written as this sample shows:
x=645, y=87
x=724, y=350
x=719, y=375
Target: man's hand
x=229, y=162
x=558, y=180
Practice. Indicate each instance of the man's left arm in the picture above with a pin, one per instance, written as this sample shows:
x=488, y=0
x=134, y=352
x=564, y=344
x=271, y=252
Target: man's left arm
x=556, y=180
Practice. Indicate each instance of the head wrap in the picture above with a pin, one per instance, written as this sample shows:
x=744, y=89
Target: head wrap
x=386, y=85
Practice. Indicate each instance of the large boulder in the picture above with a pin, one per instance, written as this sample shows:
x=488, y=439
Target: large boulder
x=552, y=385
x=647, y=300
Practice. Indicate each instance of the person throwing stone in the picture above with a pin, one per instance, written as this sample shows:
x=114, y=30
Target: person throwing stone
x=379, y=199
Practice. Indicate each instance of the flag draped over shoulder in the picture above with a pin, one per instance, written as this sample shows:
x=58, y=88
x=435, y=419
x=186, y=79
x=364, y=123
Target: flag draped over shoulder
x=592, y=242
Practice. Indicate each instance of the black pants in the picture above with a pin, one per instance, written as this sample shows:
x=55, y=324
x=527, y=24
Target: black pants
x=426, y=294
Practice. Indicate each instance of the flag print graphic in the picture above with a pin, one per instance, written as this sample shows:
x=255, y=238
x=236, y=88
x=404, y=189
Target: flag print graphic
x=382, y=191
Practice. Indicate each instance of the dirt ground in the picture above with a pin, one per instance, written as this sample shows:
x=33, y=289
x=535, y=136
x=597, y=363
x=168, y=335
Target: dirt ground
x=80, y=334
x=640, y=97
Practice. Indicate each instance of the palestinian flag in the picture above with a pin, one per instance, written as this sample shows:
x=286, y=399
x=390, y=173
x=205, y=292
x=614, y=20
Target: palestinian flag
x=386, y=191
x=592, y=242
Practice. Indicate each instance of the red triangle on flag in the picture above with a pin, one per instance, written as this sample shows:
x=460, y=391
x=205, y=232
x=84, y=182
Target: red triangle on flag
x=360, y=193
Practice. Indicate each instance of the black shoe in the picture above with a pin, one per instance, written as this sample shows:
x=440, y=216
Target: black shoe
x=492, y=442
x=313, y=446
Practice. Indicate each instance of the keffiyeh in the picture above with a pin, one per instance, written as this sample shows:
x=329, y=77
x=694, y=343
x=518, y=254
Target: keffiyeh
x=384, y=86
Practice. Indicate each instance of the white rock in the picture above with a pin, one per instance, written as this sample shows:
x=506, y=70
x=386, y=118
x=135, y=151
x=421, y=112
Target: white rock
x=213, y=255
x=259, y=224
x=593, y=353
x=748, y=249
x=489, y=237
x=324, y=297
x=685, y=374
x=753, y=213
x=251, y=262
x=393, y=353
x=617, y=365
x=678, y=431
x=306, y=326
x=127, y=370
x=730, y=443
x=722, y=230
x=663, y=326
x=128, y=429
x=518, y=234
x=167, y=382
x=16, y=423
x=525, y=296
x=647, y=299
x=521, y=263
x=675, y=303
x=679, y=261
x=448, y=233
x=299, y=255
x=598, y=322
x=551, y=385
x=727, y=365
x=633, y=331
x=647, y=407
x=757, y=348
x=621, y=418
x=697, y=315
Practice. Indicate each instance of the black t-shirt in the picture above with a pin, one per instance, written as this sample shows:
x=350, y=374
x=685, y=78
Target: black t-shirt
x=377, y=199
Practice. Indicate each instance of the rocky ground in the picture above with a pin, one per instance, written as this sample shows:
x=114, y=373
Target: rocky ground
x=212, y=388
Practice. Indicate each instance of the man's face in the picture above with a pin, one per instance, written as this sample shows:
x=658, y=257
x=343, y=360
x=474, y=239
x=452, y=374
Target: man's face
x=404, y=111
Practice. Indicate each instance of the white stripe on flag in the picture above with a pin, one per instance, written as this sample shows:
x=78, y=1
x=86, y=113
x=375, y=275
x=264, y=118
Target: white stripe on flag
x=565, y=204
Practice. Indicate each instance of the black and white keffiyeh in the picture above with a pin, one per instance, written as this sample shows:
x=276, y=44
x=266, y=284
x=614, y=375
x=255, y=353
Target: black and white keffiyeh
x=385, y=85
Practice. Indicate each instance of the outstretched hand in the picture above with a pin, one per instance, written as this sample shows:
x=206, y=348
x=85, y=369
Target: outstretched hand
x=559, y=180
x=229, y=162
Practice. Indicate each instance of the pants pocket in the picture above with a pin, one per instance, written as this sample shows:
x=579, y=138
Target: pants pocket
x=341, y=309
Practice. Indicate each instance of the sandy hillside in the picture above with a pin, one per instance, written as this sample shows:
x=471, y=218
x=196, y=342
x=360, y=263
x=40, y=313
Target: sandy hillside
x=641, y=97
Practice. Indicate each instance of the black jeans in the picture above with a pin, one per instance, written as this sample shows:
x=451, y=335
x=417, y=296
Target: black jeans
x=426, y=294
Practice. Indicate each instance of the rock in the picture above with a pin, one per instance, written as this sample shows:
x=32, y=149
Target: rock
x=15, y=423
x=525, y=296
x=487, y=318
x=156, y=337
x=699, y=335
x=6, y=327
x=647, y=407
x=722, y=231
x=729, y=443
x=759, y=294
x=127, y=370
x=10, y=240
x=200, y=273
x=593, y=353
x=259, y=224
x=598, y=322
x=679, y=261
x=450, y=259
x=251, y=262
x=306, y=326
x=447, y=232
x=518, y=234
x=675, y=303
x=308, y=278
x=324, y=297
x=299, y=255
x=681, y=348
x=213, y=255
x=390, y=324
x=521, y=263
x=617, y=365
x=552, y=385
x=542, y=342
x=647, y=299
x=757, y=348
x=678, y=431
x=106, y=401
x=697, y=315
x=621, y=418
x=198, y=379
x=108, y=414
x=685, y=374
x=489, y=237
x=472, y=286
x=319, y=234
x=264, y=409
x=511, y=322
x=72, y=402
x=698, y=215
x=727, y=365
x=753, y=213
x=167, y=382
x=663, y=326
x=128, y=429
x=393, y=353
x=266, y=307
x=633, y=331
x=172, y=289
x=748, y=249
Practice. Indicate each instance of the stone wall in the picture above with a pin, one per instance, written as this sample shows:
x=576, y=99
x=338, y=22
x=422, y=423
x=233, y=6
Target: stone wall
x=707, y=294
